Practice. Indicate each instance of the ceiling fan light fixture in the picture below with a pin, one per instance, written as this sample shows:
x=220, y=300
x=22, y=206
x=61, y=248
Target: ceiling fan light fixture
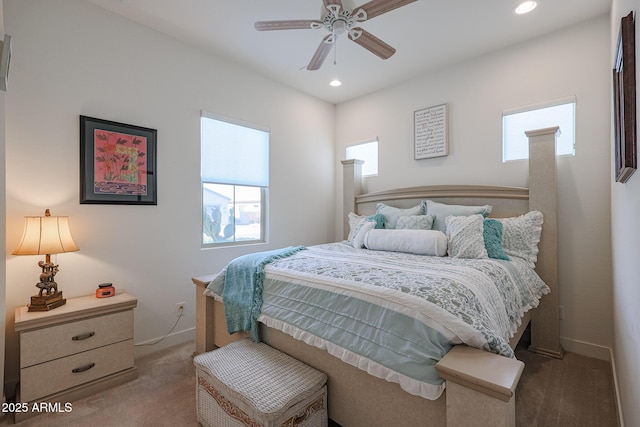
x=339, y=26
x=525, y=7
x=335, y=83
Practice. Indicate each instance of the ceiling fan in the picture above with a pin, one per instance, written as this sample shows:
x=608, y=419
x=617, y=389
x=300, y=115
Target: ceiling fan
x=337, y=21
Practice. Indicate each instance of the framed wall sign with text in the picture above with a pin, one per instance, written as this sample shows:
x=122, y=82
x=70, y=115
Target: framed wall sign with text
x=430, y=132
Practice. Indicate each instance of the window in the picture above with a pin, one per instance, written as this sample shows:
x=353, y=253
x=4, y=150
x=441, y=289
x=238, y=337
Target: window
x=515, y=144
x=235, y=181
x=367, y=151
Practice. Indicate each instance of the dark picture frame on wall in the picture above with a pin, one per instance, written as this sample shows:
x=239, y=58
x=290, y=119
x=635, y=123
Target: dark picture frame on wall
x=624, y=100
x=118, y=163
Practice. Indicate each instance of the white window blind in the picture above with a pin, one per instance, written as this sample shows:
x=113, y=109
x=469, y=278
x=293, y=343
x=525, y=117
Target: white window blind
x=235, y=181
x=234, y=153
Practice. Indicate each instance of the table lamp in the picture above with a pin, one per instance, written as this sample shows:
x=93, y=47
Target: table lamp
x=46, y=235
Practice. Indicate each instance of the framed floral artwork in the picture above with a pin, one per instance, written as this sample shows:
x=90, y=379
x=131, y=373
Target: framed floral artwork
x=117, y=163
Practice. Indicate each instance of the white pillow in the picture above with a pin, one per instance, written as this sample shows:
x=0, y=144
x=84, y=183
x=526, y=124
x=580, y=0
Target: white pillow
x=466, y=238
x=392, y=213
x=414, y=222
x=440, y=212
x=520, y=236
x=419, y=242
x=361, y=231
x=354, y=220
x=358, y=227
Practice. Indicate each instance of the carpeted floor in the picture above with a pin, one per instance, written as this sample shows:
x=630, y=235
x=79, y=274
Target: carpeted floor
x=574, y=391
x=162, y=395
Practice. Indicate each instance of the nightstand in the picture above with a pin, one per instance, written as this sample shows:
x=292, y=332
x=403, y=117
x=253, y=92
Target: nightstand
x=75, y=350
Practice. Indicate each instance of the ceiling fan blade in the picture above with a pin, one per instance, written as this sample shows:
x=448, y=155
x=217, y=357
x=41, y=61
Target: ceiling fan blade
x=378, y=7
x=371, y=43
x=299, y=24
x=328, y=3
x=322, y=52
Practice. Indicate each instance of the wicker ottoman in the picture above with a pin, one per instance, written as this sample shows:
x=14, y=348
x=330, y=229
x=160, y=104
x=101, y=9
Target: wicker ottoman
x=249, y=384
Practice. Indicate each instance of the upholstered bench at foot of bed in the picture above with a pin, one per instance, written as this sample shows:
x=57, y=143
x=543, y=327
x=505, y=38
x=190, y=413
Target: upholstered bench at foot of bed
x=249, y=384
x=481, y=387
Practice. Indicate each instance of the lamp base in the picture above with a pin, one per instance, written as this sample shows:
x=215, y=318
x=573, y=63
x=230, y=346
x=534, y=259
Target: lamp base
x=47, y=302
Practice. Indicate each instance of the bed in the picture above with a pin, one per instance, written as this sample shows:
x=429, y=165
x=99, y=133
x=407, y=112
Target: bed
x=359, y=398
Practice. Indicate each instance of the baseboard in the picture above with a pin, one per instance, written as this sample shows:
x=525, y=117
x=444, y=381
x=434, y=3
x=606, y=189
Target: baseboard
x=151, y=346
x=586, y=349
x=616, y=388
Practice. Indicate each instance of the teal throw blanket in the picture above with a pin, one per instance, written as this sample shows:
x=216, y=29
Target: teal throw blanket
x=242, y=294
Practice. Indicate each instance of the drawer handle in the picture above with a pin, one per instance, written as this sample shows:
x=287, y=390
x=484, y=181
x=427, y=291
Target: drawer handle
x=83, y=336
x=83, y=368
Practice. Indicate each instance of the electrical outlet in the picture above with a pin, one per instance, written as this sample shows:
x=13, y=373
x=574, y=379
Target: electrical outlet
x=561, y=312
x=180, y=306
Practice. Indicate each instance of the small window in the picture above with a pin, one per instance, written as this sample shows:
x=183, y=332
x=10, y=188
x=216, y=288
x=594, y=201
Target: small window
x=235, y=181
x=367, y=151
x=562, y=113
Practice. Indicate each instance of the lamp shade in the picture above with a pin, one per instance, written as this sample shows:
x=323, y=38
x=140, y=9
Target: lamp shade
x=46, y=235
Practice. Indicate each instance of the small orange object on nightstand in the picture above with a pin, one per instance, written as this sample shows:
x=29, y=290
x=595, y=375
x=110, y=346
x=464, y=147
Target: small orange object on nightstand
x=105, y=290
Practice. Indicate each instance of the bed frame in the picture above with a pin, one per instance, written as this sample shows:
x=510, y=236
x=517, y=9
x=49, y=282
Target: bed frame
x=480, y=386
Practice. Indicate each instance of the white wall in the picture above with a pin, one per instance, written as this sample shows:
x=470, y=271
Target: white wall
x=71, y=58
x=625, y=225
x=570, y=62
x=3, y=268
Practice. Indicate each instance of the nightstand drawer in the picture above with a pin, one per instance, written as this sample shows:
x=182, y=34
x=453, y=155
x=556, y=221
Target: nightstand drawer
x=51, y=377
x=42, y=345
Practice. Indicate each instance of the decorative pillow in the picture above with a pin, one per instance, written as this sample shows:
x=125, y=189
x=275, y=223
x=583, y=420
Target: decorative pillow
x=359, y=225
x=360, y=231
x=441, y=211
x=493, y=239
x=414, y=222
x=520, y=236
x=354, y=219
x=465, y=234
x=391, y=213
x=420, y=242
x=379, y=219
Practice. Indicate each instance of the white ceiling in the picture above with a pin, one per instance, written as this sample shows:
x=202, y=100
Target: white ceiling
x=428, y=34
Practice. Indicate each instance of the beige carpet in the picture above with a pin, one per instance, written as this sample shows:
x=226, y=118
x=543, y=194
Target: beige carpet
x=575, y=391
x=162, y=395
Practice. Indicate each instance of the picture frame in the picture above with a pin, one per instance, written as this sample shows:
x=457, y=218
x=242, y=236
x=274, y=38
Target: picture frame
x=624, y=94
x=431, y=136
x=118, y=163
x=5, y=62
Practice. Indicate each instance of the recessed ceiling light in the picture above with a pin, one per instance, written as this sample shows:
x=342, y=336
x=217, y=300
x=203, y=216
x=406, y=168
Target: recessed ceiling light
x=335, y=83
x=525, y=7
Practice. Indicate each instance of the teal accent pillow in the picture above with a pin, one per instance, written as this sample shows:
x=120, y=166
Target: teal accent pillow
x=440, y=212
x=493, y=239
x=379, y=219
